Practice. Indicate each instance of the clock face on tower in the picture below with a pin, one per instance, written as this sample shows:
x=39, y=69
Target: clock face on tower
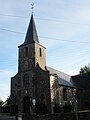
x=25, y=64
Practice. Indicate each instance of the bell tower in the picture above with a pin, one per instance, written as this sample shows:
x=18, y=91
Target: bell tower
x=31, y=52
x=32, y=82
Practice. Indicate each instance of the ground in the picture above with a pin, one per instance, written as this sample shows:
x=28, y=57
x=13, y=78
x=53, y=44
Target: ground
x=6, y=117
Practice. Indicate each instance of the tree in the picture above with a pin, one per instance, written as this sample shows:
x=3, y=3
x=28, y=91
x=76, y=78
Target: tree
x=1, y=102
x=85, y=69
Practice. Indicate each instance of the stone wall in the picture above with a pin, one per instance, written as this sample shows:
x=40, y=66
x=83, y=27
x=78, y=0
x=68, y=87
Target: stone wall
x=62, y=116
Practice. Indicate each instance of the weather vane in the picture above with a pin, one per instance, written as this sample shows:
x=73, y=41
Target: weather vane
x=32, y=7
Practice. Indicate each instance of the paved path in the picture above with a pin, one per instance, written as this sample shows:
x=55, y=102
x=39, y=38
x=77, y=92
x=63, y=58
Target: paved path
x=2, y=117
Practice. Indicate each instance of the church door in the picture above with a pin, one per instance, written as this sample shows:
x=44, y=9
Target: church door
x=26, y=104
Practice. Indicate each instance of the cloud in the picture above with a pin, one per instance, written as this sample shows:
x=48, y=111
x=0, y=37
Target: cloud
x=73, y=72
x=5, y=76
x=4, y=91
x=84, y=15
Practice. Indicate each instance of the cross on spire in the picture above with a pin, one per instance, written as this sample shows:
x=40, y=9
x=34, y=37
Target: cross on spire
x=32, y=7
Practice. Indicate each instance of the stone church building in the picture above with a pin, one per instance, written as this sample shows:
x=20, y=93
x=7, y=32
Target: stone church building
x=32, y=82
x=36, y=88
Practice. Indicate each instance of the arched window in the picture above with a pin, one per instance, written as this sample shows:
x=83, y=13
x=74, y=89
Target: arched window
x=26, y=104
x=25, y=80
x=42, y=98
x=65, y=94
x=19, y=82
x=40, y=52
x=26, y=51
x=42, y=106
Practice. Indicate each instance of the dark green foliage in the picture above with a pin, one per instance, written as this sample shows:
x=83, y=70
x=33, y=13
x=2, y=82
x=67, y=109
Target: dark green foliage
x=14, y=110
x=6, y=109
x=67, y=107
x=41, y=108
x=1, y=102
x=8, y=101
x=57, y=109
x=85, y=69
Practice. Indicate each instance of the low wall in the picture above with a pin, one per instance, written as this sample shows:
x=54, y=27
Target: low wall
x=61, y=116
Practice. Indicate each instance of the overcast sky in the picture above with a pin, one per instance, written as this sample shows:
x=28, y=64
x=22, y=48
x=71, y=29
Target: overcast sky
x=63, y=28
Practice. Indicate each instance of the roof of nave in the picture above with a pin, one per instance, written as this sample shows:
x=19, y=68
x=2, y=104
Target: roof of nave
x=63, y=78
x=81, y=81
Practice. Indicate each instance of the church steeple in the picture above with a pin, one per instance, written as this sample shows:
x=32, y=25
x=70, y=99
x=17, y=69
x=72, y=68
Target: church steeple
x=31, y=35
x=31, y=68
x=31, y=50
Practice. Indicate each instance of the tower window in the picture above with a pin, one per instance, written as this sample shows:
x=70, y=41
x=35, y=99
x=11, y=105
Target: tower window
x=26, y=51
x=42, y=81
x=65, y=94
x=40, y=51
x=19, y=82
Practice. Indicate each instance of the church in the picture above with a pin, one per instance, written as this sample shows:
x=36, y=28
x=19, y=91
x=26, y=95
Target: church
x=37, y=88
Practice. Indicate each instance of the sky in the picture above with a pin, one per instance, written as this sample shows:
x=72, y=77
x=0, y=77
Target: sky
x=63, y=27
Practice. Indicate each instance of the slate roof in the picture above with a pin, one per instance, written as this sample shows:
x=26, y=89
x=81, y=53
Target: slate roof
x=31, y=35
x=81, y=81
x=63, y=78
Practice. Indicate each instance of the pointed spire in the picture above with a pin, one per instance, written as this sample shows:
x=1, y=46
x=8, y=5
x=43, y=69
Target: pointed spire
x=31, y=35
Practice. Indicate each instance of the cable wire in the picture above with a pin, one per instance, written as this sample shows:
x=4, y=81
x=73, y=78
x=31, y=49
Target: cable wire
x=48, y=19
x=57, y=39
